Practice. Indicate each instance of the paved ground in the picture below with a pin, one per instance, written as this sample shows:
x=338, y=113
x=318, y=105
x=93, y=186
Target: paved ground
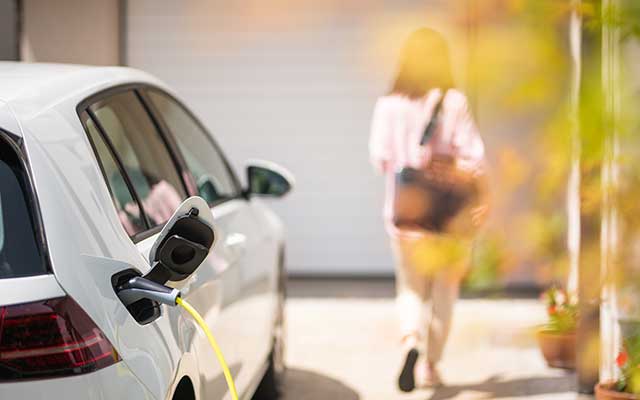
x=343, y=346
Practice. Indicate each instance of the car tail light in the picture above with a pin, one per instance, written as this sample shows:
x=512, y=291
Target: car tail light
x=50, y=338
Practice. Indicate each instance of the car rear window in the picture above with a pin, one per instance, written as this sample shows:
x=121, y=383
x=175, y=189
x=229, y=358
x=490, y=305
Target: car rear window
x=20, y=254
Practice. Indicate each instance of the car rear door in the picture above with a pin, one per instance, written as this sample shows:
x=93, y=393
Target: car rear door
x=246, y=318
x=147, y=184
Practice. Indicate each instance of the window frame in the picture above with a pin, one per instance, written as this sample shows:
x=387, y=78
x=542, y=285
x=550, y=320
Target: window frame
x=139, y=89
x=84, y=107
x=239, y=192
x=16, y=143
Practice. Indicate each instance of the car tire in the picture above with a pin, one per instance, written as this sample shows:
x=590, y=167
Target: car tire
x=271, y=386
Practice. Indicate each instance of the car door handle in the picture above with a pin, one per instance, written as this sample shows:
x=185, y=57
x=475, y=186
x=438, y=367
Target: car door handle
x=236, y=243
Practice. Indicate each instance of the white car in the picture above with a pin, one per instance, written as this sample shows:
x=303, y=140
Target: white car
x=93, y=163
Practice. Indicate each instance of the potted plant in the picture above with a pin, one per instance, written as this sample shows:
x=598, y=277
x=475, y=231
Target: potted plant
x=628, y=385
x=557, y=338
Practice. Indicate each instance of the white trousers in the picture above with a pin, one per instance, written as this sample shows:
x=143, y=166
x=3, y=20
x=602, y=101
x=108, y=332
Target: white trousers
x=425, y=300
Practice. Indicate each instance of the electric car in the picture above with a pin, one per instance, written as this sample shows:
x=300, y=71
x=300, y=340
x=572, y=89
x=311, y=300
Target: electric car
x=93, y=163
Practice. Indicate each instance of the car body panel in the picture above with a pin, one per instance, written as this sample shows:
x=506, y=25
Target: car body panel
x=8, y=120
x=98, y=385
x=234, y=289
x=41, y=287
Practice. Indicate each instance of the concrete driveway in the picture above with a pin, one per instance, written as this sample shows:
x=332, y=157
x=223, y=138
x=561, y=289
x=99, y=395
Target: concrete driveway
x=343, y=345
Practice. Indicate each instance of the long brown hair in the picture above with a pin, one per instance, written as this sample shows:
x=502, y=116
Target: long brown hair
x=424, y=65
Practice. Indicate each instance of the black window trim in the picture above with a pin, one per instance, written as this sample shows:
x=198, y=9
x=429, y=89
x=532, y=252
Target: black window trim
x=239, y=193
x=17, y=145
x=107, y=141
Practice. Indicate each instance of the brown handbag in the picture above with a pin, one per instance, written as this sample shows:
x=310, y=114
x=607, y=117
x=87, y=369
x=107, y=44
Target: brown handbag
x=438, y=198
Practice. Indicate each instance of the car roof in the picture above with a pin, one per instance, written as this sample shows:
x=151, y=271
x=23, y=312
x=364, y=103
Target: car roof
x=35, y=87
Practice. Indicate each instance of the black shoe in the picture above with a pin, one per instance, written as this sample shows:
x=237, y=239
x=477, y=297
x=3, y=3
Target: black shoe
x=406, y=380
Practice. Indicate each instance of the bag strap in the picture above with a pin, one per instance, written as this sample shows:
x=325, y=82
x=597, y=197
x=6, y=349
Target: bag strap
x=430, y=129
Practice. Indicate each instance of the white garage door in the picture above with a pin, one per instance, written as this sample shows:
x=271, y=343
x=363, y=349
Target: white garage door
x=293, y=82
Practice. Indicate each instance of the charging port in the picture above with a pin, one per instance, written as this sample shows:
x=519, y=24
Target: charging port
x=144, y=310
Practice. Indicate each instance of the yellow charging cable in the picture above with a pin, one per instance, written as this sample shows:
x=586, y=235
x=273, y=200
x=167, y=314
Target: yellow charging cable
x=213, y=343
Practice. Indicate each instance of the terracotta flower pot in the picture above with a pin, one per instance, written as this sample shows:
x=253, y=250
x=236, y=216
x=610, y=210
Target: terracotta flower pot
x=558, y=349
x=607, y=391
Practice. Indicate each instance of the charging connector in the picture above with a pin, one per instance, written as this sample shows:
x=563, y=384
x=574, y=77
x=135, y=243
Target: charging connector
x=139, y=288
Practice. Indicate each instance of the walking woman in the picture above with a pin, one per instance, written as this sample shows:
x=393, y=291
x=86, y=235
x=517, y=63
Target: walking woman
x=429, y=265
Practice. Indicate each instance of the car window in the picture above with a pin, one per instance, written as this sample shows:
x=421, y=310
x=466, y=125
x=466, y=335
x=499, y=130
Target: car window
x=20, y=254
x=1, y=227
x=126, y=205
x=204, y=160
x=143, y=154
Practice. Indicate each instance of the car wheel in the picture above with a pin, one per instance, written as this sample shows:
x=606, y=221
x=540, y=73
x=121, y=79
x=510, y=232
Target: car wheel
x=271, y=386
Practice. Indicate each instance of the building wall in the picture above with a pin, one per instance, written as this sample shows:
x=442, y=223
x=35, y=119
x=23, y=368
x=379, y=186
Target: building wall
x=8, y=30
x=71, y=31
x=293, y=82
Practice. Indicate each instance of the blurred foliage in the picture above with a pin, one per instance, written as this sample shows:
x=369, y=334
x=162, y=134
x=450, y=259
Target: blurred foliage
x=487, y=259
x=624, y=16
x=620, y=21
x=527, y=86
x=534, y=83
